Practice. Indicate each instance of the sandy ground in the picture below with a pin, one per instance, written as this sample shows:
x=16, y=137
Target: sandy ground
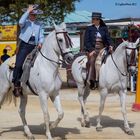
x=70, y=128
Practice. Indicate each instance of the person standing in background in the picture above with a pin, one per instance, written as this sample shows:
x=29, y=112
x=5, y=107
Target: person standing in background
x=4, y=56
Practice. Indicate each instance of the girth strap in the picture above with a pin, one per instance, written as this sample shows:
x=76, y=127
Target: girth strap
x=30, y=87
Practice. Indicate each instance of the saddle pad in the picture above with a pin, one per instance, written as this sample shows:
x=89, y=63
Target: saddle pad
x=12, y=61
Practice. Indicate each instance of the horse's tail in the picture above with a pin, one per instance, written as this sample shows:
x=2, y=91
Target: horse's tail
x=8, y=98
x=5, y=86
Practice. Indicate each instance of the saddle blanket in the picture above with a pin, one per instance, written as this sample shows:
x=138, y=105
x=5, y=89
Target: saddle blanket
x=12, y=61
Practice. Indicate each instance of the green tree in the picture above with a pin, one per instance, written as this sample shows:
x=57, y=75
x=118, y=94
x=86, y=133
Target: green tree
x=54, y=10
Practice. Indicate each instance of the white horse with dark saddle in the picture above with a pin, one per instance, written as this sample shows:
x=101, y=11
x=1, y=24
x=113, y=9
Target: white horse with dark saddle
x=44, y=78
x=112, y=78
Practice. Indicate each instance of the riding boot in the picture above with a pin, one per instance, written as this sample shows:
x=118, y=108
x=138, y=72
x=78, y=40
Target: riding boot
x=96, y=84
x=92, y=84
x=17, y=91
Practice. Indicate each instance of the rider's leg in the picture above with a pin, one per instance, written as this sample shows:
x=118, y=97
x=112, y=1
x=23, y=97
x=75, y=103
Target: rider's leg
x=92, y=72
x=24, y=50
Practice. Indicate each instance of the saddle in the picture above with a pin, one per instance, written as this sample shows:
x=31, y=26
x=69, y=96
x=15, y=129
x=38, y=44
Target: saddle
x=12, y=61
x=100, y=59
x=28, y=63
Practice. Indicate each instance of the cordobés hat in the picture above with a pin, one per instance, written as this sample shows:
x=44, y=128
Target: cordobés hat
x=36, y=11
x=97, y=15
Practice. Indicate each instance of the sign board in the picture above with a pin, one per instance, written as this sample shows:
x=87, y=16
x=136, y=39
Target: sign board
x=8, y=33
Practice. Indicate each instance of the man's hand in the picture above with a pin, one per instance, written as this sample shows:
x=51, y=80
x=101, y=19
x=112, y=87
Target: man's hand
x=30, y=8
x=92, y=53
x=39, y=46
x=111, y=49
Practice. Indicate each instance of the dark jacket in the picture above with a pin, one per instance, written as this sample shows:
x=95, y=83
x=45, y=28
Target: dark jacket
x=90, y=37
x=4, y=57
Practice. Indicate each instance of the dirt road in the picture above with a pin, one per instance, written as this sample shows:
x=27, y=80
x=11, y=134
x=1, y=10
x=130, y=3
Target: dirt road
x=70, y=128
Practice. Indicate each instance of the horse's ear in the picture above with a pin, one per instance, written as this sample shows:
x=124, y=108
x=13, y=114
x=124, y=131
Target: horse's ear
x=137, y=41
x=123, y=40
x=63, y=25
x=55, y=26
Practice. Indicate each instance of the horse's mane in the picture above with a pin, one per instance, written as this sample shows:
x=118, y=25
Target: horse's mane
x=47, y=38
x=120, y=46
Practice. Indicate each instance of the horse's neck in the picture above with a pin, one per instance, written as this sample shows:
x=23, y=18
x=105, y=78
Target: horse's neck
x=48, y=51
x=119, y=57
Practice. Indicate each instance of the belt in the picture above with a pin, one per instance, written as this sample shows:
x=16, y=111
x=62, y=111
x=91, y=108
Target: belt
x=31, y=42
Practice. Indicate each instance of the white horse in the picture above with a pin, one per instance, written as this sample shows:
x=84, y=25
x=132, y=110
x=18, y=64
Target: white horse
x=44, y=78
x=111, y=80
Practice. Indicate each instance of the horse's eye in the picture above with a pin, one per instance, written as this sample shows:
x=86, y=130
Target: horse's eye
x=60, y=40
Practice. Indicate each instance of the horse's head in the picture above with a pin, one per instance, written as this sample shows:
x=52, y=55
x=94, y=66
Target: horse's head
x=64, y=42
x=131, y=51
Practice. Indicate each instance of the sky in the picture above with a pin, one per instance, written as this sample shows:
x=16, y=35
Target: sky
x=111, y=9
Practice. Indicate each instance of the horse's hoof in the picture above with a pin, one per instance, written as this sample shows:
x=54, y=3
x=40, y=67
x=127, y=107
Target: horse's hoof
x=31, y=137
x=99, y=129
x=87, y=124
x=130, y=132
x=83, y=124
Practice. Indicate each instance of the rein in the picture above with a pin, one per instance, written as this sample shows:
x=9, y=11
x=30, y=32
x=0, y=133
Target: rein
x=132, y=54
x=50, y=59
x=68, y=43
x=117, y=66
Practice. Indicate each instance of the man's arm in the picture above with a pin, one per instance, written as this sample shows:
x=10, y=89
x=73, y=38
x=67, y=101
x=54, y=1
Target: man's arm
x=41, y=38
x=24, y=17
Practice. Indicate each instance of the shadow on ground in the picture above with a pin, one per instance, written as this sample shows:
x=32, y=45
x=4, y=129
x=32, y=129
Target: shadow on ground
x=107, y=121
x=39, y=130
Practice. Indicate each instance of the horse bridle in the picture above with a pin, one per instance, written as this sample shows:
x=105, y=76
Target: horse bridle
x=68, y=43
x=128, y=65
x=132, y=56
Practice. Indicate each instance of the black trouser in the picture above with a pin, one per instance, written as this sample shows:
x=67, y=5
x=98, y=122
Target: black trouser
x=24, y=50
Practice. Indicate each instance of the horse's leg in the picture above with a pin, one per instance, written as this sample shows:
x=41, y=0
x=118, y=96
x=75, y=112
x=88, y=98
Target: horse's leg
x=97, y=68
x=22, y=108
x=44, y=105
x=83, y=93
x=57, y=104
x=103, y=94
x=123, y=108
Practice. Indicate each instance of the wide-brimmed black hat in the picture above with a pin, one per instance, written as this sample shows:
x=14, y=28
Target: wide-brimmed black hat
x=36, y=11
x=97, y=15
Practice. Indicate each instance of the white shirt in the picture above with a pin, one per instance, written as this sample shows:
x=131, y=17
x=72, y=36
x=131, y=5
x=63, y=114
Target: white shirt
x=32, y=25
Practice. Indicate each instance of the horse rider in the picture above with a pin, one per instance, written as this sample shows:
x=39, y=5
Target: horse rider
x=31, y=35
x=96, y=38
